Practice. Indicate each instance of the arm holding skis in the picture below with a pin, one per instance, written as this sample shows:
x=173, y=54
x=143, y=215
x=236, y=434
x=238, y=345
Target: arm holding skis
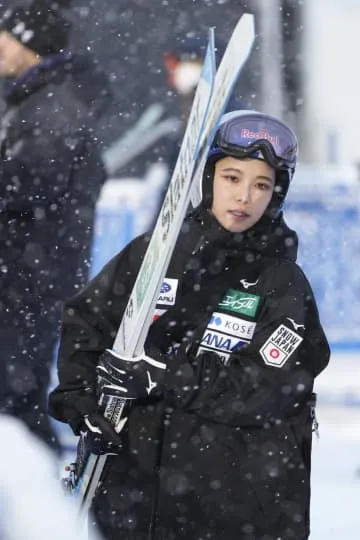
x=89, y=325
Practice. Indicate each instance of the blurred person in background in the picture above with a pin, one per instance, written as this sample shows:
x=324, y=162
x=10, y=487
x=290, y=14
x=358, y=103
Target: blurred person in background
x=51, y=174
x=32, y=505
x=183, y=63
x=149, y=149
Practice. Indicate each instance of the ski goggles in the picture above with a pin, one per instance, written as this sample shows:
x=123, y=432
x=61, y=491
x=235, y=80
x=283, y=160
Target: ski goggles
x=257, y=135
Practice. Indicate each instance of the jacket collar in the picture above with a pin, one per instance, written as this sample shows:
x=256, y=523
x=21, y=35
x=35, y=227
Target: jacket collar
x=50, y=69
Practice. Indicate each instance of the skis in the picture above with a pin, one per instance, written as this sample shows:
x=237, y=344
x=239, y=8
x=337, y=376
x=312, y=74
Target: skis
x=212, y=94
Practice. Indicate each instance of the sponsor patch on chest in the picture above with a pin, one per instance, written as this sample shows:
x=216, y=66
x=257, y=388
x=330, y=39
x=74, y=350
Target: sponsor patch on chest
x=220, y=342
x=239, y=302
x=282, y=343
x=232, y=325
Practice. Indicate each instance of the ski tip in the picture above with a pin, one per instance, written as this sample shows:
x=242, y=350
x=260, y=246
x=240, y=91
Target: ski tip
x=247, y=25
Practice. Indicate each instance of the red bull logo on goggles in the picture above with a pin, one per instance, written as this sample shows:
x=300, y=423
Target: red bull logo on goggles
x=247, y=133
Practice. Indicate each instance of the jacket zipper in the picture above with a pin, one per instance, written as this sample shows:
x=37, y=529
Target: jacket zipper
x=315, y=423
x=155, y=504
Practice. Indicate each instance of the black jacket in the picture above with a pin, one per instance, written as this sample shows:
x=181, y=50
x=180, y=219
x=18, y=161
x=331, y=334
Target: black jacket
x=50, y=178
x=232, y=459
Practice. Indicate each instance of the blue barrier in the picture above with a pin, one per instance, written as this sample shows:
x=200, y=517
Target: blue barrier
x=125, y=210
x=113, y=230
x=325, y=212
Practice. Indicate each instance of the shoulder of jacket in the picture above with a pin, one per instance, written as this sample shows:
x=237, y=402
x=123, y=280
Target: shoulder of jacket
x=285, y=272
x=133, y=250
x=55, y=104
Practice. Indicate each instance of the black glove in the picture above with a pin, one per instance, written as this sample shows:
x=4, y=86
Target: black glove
x=129, y=378
x=99, y=436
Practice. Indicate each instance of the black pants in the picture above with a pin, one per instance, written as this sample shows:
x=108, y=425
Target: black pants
x=27, y=342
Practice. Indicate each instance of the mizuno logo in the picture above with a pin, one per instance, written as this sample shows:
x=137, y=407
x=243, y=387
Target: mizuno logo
x=247, y=284
x=295, y=325
x=152, y=384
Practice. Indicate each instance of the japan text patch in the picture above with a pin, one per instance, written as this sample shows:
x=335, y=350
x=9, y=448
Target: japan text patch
x=282, y=343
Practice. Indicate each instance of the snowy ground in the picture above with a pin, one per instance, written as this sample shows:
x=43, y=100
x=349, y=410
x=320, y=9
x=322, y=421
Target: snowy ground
x=336, y=456
x=335, y=511
x=335, y=486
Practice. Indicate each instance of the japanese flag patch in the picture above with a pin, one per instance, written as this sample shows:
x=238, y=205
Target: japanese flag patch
x=282, y=343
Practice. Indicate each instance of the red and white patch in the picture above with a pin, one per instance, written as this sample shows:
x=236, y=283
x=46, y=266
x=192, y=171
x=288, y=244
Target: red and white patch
x=158, y=313
x=282, y=343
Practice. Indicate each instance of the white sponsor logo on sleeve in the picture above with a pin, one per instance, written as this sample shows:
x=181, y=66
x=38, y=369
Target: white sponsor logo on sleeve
x=168, y=290
x=247, y=284
x=282, y=343
x=296, y=325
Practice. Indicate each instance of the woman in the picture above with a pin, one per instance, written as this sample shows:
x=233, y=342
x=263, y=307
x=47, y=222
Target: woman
x=218, y=440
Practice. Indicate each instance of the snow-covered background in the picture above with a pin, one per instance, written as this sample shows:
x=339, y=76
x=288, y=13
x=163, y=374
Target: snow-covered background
x=128, y=38
x=336, y=455
x=332, y=79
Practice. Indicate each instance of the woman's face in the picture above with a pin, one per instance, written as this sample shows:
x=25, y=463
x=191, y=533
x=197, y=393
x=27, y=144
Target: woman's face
x=242, y=190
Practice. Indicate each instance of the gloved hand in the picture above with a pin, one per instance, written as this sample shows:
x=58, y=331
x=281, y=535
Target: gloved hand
x=99, y=436
x=129, y=378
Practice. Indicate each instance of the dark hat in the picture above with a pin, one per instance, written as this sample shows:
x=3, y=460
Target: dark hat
x=39, y=26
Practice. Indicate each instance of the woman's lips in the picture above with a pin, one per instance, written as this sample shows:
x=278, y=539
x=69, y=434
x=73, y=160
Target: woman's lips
x=238, y=214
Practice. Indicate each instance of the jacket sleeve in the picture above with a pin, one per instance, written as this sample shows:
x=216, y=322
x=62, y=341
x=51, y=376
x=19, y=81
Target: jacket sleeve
x=89, y=325
x=271, y=378
x=39, y=154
